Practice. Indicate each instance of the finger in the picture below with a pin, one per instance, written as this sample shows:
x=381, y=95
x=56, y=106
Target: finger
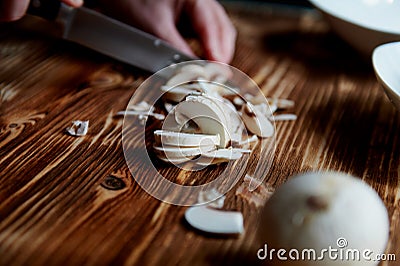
x=73, y=3
x=11, y=10
x=214, y=28
x=170, y=33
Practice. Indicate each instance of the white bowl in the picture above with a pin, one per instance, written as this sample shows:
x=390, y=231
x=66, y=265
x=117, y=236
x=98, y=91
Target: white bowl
x=386, y=62
x=364, y=24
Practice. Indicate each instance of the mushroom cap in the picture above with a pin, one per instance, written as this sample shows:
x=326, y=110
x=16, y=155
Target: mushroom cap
x=315, y=210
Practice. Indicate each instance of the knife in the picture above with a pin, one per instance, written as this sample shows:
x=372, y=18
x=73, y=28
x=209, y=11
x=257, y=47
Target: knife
x=108, y=36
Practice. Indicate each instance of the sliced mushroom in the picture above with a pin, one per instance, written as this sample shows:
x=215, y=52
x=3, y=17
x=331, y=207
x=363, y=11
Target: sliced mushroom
x=256, y=121
x=172, y=138
x=216, y=89
x=208, y=115
x=177, y=94
x=212, y=197
x=285, y=117
x=142, y=114
x=174, y=152
x=238, y=101
x=219, y=156
x=236, y=124
x=179, y=123
x=186, y=74
x=175, y=160
x=142, y=106
x=264, y=108
x=217, y=72
x=214, y=221
x=194, y=69
x=249, y=140
x=169, y=107
x=281, y=103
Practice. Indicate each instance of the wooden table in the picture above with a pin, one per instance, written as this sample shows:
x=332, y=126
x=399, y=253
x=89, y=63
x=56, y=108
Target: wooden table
x=55, y=206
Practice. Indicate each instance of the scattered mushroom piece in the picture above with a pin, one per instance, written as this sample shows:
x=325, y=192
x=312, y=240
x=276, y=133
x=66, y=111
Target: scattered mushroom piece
x=169, y=107
x=144, y=114
x=174, y=152
x=181, y=78
x=142, y=106
x=285, y=117
x=257, y=121
x=217, y=72
x=216, y=89
x=180, y=139
x=198, y=70
x=259, y=196
x=281, y=103
x=212, y=197
x=219, y=156
x=177, y=94
x=249, y=140
x=78, y=128
x=215, y=221
x=238, y=102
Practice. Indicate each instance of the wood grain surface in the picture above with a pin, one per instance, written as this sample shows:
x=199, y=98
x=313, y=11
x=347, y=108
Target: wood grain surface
x=67, y=200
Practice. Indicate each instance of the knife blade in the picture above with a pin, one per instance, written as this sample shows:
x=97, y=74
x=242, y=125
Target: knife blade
x=108, y=36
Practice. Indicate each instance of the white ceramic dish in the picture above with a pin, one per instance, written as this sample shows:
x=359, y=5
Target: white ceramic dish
x=386, y=62
x=364, y=24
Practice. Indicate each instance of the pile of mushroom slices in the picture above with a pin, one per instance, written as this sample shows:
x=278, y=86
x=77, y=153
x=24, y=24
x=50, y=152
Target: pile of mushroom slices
x=207, y=121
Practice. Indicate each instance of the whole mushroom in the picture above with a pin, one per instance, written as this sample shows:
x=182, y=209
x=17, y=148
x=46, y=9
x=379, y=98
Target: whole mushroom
x=324, y=211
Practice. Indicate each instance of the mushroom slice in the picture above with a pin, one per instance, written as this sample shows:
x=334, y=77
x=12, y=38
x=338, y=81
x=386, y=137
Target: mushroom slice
x=177, y=94
x=186, y=74
x=218, y=72
x=142, y=106
x=169, y=107
x=285, y=117
x=207, y=114
x=236, y=125
x=194, y=69
x=175, y=160
x=174, y=152
x=281, y=103
x=212, y=198
x=180, y=139
x=144, y=114
x=179, y=123
x=216, y=89
x=257, y=121
x=238, y=101
x=219, y=156
x=78, y=128
x=214, y=221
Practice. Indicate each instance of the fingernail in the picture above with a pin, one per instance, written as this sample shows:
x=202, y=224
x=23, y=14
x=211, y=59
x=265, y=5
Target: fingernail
x=77, y=2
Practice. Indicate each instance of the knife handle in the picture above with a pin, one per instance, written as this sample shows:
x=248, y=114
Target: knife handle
x=47, y=9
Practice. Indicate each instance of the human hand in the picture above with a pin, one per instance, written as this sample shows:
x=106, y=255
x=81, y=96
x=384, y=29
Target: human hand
x=11, y=10
x=208, y=18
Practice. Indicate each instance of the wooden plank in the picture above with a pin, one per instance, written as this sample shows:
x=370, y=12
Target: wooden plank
x=55, y=207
